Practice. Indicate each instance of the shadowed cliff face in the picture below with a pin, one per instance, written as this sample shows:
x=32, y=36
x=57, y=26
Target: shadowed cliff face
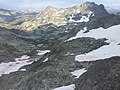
x=104, y=75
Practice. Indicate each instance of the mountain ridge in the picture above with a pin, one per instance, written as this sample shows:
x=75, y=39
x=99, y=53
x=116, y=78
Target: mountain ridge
x=58, y=16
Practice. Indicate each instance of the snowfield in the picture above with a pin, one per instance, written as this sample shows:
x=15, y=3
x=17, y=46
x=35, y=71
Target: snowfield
x=103, y=52
x=69, y=87
x=79, y=72
x=7, y=68
x=112, y=35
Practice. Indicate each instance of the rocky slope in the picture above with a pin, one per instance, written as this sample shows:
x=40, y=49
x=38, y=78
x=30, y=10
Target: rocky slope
x=103, y=75
x=11, y=45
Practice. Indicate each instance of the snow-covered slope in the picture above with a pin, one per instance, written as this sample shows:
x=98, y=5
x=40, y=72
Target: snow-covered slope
x=112, y=35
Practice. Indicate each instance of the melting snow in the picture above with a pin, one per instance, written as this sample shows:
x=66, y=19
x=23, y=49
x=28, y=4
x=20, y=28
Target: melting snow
x=69, y=87
x=22, y=69
x=7, y=68
x=79, y=72
x=45, y=60
x=112, y=35
x=24, y=57
x=42, y=52
x=83, y=19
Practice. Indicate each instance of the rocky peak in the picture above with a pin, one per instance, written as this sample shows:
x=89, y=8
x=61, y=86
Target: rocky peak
x=88, y=4
x=86, y=8
x=101, y=6
x=91, y=6
x=51, y=8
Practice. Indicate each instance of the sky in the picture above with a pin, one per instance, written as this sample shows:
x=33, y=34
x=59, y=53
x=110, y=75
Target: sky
x=41, y=4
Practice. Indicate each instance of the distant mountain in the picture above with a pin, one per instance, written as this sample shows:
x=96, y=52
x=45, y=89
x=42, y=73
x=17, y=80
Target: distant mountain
x=10, y=12
x=57, y=16
x=9, y=16
x=60, y=16
x=113, y=9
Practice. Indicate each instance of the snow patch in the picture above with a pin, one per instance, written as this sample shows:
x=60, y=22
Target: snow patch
x=103, y=52
x=79, y=72
x=69, y=87
x=24, y=57
x=83, y=18
x=45, y=60
x=68, y=53
x=7, y=68
x=112, y=35
x=22, y=69
x=40, y=52
x=78, y=35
